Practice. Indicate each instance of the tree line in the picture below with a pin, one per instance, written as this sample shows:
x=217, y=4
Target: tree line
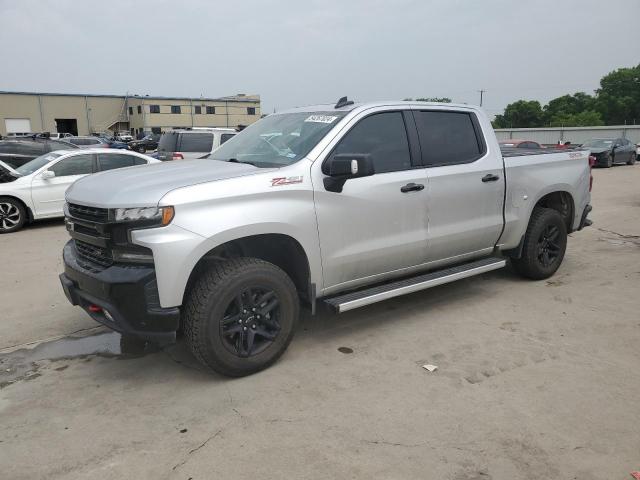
x=616, y=102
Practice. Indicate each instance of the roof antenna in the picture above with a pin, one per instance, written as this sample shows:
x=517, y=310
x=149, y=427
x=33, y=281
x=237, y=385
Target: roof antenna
x=343, y=102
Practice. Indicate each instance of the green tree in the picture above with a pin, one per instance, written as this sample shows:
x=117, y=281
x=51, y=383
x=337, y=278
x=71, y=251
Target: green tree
x=618, y=98
x=521, y=114
x=589, y=118
x=568, y=105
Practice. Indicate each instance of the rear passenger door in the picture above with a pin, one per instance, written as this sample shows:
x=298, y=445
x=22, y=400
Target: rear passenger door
x=374, y=228
x=466, y=185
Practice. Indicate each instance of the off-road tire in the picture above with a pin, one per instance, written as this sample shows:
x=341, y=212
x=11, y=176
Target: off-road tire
x=12, y=214
x=211, y=296
x=530, y=265
x=632, y=160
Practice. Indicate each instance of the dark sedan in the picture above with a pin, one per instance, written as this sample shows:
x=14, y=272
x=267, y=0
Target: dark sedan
x=608, y=151
x=149, y=142
x=16, y=153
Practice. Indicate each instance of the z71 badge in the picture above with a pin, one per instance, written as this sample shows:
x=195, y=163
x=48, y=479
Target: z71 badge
x=276, y=182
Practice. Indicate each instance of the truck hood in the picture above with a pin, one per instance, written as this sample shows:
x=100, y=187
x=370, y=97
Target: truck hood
x=145, y=185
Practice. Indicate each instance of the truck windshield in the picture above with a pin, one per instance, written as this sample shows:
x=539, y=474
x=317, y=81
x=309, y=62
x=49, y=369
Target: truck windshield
x=278, y=140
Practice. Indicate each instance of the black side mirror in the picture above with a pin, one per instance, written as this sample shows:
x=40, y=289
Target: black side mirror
x=343, y=166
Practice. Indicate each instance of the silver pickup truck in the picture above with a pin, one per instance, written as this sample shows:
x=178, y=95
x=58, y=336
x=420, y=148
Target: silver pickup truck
x=348, y=204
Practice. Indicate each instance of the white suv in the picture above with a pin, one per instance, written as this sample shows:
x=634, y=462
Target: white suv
x=192, y=143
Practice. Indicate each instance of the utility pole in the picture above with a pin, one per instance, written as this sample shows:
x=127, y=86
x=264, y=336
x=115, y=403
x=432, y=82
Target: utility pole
x=481, y=93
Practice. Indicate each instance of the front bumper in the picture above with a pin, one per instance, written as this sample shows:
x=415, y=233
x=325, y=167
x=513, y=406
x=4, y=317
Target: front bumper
x=128, y=294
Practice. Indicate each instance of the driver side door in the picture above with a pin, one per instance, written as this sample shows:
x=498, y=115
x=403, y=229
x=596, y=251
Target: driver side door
x=47, y=194
x=376, y=227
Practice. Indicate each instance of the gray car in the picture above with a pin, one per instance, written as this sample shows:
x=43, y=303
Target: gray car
x=608, y=151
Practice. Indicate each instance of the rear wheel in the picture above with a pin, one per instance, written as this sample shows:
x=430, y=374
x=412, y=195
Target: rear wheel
x=12, y=215
x=141, y=149
x=632, y=159
x=545, y=243
x=240, y=316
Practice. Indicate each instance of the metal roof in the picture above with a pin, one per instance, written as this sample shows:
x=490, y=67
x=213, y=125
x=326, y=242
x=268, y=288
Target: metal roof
x=230, y=98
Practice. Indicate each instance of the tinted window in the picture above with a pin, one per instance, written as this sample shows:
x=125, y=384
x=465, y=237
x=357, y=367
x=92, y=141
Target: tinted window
x=115, y=160
x=175, y=108
x=139, y=161
x=76, y=165
x=130, y=110
x=195, y=142
x=26, y=148
x=51, y=146
x=154, y=108
x=225, y=137
x=211, y=110
x=139, y=109
x=168, y=142
x=447, y=137
x=198, y=110
x=251, y=110
x=382, y=135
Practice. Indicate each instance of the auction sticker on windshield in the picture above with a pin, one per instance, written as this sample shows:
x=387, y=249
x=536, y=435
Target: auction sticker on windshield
x=321, y=118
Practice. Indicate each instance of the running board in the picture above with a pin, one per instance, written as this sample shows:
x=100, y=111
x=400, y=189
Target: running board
x=349, y=301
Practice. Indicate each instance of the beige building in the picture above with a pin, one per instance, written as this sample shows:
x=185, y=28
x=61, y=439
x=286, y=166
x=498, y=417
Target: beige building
x=23, y=112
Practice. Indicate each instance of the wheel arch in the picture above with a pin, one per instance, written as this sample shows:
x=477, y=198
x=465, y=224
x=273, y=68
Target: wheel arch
x=27, y=208
x=279, y=249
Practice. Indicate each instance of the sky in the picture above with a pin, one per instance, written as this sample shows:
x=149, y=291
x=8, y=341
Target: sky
x=295, y=53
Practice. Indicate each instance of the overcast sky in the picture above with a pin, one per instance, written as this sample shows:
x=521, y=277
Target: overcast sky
x=299, y=52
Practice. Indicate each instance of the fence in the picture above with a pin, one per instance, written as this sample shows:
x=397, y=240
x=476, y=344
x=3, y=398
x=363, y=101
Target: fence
x=551, y=135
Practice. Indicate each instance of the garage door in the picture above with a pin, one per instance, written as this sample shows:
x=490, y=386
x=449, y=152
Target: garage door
x=17, y=125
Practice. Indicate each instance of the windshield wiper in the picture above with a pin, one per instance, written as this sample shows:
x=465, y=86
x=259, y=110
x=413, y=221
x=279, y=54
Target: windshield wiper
x=235, y=160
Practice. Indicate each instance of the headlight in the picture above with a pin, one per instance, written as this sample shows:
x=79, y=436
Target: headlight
x=163, y=214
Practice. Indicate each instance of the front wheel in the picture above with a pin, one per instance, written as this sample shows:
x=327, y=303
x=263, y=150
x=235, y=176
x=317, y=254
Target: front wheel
x=609, y=163
x=12, y=215
x=240, y=316
x=632, y=159
x=545, y=243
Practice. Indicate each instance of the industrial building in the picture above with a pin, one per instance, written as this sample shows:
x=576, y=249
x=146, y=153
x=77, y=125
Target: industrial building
x=80, y=114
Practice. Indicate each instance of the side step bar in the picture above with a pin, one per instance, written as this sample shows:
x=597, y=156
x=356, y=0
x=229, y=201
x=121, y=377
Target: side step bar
x=349, y=301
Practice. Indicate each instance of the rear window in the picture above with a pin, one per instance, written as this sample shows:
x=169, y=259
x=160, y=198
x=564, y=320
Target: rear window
x=195, y=142
x=225, y=137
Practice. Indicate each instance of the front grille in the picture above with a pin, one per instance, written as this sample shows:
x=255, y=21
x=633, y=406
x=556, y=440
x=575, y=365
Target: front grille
x=97, y=255
x=93, y=214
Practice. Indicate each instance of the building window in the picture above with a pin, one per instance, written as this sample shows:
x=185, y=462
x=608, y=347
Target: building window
x=156, y=130
x=251, y=110
x=211, y=110
x=175, y=108
x=198, y=110
x=130, y=110
x=139, y=109
x=154, y=108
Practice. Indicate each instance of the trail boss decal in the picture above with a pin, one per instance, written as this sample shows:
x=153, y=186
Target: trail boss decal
x=276, y=182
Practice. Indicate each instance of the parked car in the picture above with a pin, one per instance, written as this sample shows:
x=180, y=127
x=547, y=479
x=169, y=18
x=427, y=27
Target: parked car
x=611, y=150
x=36, y=189
x=55, y=135
x=148, y=142
x=637, y=150
x=96, y=142
x=520, y=144
x=124, y=137
x=192, y=143
x=354, y=205
x=17, y=152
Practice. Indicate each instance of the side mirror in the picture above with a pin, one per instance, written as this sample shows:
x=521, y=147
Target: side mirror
x=344, y=166
x=47, y=174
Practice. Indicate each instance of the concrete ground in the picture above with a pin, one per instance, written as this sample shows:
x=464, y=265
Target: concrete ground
x=536, y=380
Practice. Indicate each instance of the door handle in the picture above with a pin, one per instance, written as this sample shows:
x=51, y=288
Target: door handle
x=412, y=187
x=490, y=177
